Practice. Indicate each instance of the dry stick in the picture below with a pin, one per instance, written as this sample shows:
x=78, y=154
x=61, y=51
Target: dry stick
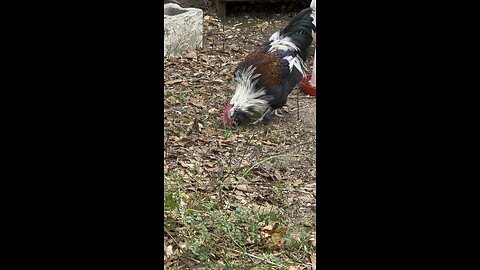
x=220, y=195
x=223, y=30
x=218, y=51
x=166, y=144
x=253, y=256
x=194, y=181
x=174, y=125
x=307, y=97
x=272, y=157
x=244, y=152
x=171, y=237
x=298, y=106
x=221, y=178
x=229, y=171
x=213, y=43
x=230, y=162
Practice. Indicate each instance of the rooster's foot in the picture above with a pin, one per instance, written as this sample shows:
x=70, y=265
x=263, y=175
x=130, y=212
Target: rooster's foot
x=277, y=113
x=265, y=118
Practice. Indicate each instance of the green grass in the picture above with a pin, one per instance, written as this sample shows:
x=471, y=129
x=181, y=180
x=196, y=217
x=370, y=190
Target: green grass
x=214, y=234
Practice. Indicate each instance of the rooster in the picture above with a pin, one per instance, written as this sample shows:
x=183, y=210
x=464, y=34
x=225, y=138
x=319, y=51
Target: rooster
x=268, y=75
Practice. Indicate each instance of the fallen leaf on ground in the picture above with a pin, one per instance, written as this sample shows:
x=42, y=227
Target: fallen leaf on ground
x=168, y=251
x=190, y=55
x=173, y=82
x=203, y=57
x=277, y=175
x=277, y=240
x=245, y=188
x=269, y=227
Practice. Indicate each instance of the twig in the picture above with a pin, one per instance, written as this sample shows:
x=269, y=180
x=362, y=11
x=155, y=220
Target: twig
x=229, y=171
x=298, y=107
x=256, y=257
x=223, y=30
x=218, y=186
x=272, y=157
x=243, y=154
x=230, y=162
x=171, y=236
x=166, y=144
x=306, y=97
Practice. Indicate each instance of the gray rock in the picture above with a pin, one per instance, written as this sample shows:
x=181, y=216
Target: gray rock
x=183, y=29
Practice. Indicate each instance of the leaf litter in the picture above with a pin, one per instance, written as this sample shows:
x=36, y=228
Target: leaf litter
x=205, y=154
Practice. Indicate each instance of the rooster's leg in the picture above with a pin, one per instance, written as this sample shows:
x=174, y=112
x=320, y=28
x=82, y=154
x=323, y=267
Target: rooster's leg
x=265, y=118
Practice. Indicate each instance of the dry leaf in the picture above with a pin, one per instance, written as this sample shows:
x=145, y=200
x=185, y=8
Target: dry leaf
x=264, y=235
x=198, y=103
x=297, y=182
x=245, y=188
x=276, y=245
x=276, y=241
x=277, y=175
x=210, y=164
x=313, y=258
x=227, y=141
x=168, y=251
x=280, y=231
x=203, y=57
x=190, y=55
x=269, y=227
x=186, y=165
x=213, y=111
x=273, y=238
x=173, y=82
x=268, y=143
x=239, y=195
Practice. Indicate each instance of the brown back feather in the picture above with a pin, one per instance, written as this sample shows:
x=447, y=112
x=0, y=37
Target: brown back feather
x=268, y=65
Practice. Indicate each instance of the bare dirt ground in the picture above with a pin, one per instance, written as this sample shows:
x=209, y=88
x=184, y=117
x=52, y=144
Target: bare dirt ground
x=256, y=167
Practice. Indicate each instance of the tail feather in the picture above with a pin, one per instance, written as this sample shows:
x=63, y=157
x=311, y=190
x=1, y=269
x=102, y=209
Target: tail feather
x=299, y=31
x=302, y=20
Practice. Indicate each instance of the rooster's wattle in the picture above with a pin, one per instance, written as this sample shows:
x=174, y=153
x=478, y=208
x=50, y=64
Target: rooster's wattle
x=268, y=75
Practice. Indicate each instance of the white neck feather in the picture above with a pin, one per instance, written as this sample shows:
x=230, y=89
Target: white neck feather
x=282, y=43
x=247, y=94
